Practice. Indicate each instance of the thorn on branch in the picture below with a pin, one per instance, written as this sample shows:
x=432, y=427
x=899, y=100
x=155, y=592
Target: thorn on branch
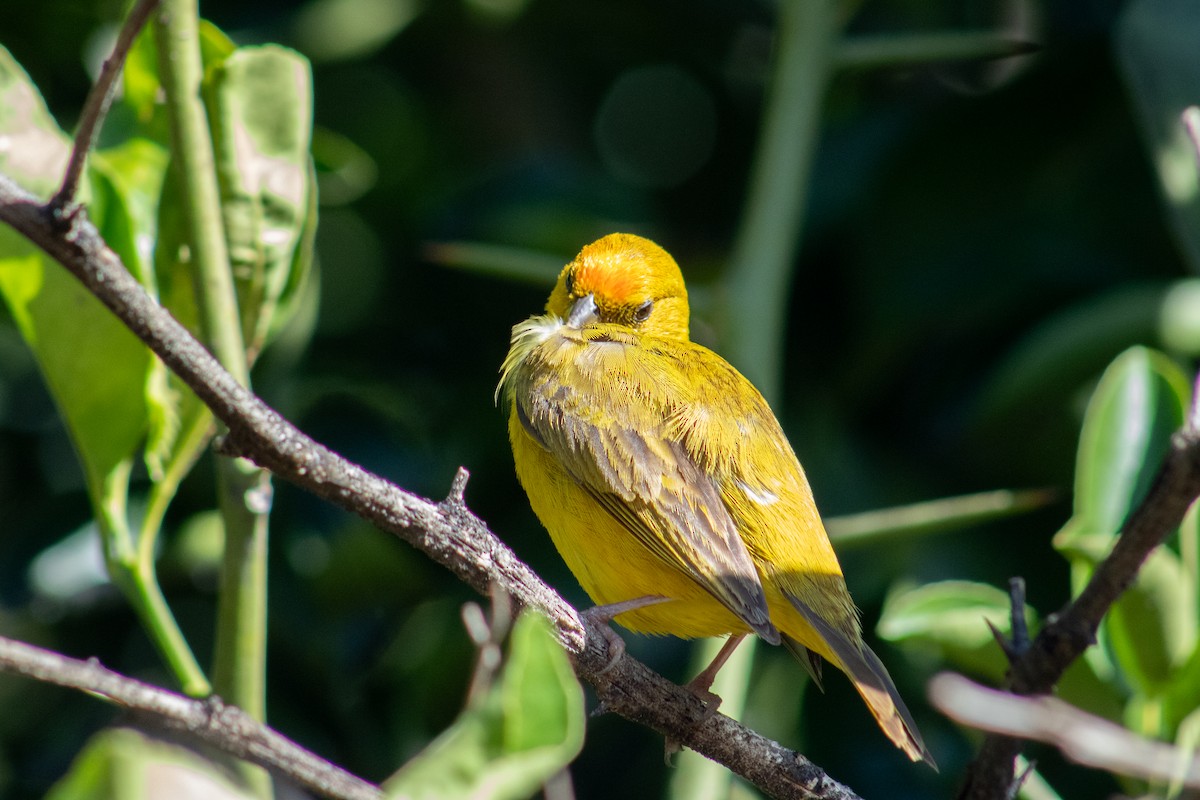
x=455, y=500
x=1017, y=645
x=1001, y=640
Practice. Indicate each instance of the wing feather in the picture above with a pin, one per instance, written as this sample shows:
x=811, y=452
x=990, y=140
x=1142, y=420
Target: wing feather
x=628, y=459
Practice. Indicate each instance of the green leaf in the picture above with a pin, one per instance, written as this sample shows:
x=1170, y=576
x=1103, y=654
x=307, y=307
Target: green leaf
x=1137, y=405
x=1096, y=691
x=1066, y=351
x=36, y=151
x=140, y=83
x=951, y=617
x=1182, y=696
x=95, y=368
x=134, y=173
x=1187, y=742
x=1152, y=627
x=528, y=727
x=260, y=104
x=215, y=46
x=140, y=105
x=126, y=763
x=540, y=696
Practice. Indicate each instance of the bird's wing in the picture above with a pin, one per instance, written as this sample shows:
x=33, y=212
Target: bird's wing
x=624, y=454
x=729, y=431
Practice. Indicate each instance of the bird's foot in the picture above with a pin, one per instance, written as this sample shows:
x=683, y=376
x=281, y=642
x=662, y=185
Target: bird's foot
x=601, y=616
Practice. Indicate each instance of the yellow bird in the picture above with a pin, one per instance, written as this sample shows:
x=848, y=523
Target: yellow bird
x=667, y=484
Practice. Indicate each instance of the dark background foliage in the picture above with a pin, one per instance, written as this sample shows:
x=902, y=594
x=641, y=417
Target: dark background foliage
x=953, y=211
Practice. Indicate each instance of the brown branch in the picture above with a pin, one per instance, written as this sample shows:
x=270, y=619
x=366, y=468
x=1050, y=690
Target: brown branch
x=226, y=727
x=1072, y=630
x=95, y=108
x=446, y=531
x=1084, y=738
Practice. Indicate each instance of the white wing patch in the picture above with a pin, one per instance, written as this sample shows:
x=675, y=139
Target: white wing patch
x=764, y=497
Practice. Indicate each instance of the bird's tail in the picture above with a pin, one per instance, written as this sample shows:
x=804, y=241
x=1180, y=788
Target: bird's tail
x=872, y=681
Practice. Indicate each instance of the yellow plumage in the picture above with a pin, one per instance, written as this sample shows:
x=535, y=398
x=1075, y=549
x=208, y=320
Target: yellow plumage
x=659, y=470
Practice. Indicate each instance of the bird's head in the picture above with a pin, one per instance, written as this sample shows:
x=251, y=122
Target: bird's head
x=625, y=280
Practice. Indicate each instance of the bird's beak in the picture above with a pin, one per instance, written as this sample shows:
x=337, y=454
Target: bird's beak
x=582, y=312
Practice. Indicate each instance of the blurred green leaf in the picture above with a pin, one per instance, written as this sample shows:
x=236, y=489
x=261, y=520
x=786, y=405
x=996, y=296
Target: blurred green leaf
x=341, y=29
x=513, y=263
x=345, y=171
x=528, y=727
x=1152, y=627
x=1156, y=49
x=125, y=763
x=142, y=95
x=1069, y=348
x=215, y=46
x=140, y=84
x=1187, y=740
x=1137, y=405
x=952, y=617
x=1151, y=631
x=1090, y=684
x=931, y=516
x=1182, y=695
x=260, y=104
x=899, y=50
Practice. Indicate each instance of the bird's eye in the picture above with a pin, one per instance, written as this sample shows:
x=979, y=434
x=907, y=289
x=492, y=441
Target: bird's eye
x=643, y=311
x=570, y=283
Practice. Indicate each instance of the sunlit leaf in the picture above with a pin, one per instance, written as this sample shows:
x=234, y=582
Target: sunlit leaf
x=528, y=728
x=35, y=151
x=1137, y=405
x=260, y=104
x=95, y=368
x=125, y=763
x=952, y=617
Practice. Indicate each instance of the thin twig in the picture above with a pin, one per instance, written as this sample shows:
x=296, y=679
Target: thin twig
x=1084, y=738
x=226, y=727
x=447, y=531
x=95, y=108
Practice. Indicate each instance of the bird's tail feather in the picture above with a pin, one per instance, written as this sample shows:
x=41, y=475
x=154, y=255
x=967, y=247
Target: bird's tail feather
x=872, y=681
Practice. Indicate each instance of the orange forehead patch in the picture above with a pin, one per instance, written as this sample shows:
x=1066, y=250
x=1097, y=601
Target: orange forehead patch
x=614, y=273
